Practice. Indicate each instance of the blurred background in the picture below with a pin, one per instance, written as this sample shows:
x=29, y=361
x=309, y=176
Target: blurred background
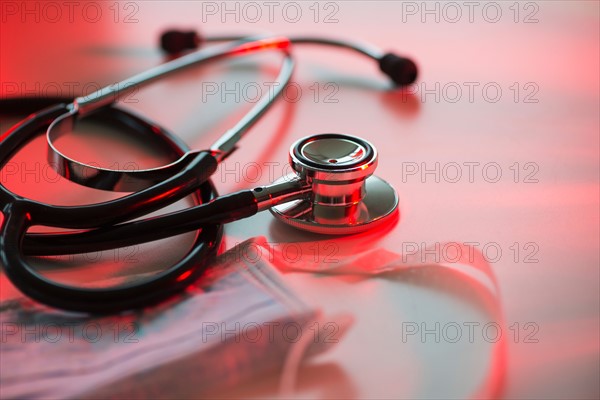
x=497, y=145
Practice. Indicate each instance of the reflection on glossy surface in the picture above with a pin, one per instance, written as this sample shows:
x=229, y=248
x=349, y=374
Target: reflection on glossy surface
x=333, y=151
x=378, y=206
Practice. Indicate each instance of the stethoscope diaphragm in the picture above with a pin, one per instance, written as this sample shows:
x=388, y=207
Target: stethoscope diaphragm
x=346, y=197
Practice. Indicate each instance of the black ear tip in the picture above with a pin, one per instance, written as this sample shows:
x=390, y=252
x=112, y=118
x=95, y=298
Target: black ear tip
x=403, y=71
x=174, y=41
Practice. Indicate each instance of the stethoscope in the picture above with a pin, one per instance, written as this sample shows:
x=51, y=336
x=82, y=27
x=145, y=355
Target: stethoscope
x=332, y=189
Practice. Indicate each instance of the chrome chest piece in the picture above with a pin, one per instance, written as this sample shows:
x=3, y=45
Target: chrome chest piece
x=346, y=197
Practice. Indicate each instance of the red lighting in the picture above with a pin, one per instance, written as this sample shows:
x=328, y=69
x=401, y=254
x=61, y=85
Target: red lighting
x=263, y=44
x=184, y=276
